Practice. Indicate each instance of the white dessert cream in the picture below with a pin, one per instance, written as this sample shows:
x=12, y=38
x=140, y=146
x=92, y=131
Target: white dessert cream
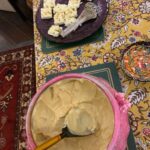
x=81, y=120
x=81, y=106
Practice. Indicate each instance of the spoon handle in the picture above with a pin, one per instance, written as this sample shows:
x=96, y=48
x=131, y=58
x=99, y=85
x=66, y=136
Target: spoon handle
x=49, y=143
x=73, y=27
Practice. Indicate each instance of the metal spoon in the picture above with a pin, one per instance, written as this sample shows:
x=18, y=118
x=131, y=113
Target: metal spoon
x=89, y=12
x=65, y=133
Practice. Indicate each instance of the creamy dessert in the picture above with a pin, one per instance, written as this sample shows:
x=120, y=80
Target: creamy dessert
x=81, y=120
x=81, y=106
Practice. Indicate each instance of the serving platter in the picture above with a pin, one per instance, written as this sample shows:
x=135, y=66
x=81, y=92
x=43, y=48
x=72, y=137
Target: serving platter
x=87, y=29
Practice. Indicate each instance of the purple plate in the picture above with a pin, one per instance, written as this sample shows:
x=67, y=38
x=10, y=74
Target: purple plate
x=82, y=32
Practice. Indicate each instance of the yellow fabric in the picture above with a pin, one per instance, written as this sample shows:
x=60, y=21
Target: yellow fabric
x=128, y=21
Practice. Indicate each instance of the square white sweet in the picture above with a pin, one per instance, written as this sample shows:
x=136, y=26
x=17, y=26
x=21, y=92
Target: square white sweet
x=71, y=12
x=74, y=3
x=55, y=30
x=59, y=18
x=49, y=3
x=46, y=13
x=59, y=8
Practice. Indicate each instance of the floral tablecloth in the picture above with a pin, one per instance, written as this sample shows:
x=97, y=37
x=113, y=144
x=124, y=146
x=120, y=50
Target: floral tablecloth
x=128, y=22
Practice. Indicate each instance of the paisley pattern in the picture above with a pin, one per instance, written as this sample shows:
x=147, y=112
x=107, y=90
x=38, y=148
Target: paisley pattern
x=128, y=22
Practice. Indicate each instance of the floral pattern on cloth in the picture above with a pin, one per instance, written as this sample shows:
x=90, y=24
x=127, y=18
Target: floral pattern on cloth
x=128, y=22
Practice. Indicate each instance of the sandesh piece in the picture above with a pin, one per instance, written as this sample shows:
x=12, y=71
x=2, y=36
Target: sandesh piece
x=55, y=30
x=49, y=3
x=46, y=13
x=74, y=3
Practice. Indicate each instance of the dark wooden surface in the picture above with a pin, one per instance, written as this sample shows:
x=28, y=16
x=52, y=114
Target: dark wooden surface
x=22, y=9
x=14, y=32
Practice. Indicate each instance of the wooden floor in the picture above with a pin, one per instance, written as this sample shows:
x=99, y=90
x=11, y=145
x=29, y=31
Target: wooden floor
x=14, y=32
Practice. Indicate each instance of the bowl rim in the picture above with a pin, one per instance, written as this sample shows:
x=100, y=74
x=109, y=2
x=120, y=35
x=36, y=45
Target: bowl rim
x=101, y=83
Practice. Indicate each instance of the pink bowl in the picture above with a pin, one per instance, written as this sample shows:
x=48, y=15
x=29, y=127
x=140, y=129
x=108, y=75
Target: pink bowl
x=119, y=104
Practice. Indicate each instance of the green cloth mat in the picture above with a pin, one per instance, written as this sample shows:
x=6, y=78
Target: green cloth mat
x=48, y=46
x=108, y=72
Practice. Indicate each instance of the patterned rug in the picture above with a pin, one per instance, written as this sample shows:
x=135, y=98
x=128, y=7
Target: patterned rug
x=17, y=86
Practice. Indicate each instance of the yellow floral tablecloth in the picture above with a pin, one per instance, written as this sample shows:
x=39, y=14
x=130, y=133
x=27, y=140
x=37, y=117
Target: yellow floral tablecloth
x=128, y=22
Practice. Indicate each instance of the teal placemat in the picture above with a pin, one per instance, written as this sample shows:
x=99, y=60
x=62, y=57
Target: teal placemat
x=108, y=72
x=48, y=46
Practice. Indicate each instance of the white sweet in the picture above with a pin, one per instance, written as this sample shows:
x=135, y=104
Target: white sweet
x=49, y=3
x=46, y=13
x=59, y=8
x=64, y=14
x=71, y=12
x=55, y=30
x=74, y=3
x=59, y=19
x=69, y=21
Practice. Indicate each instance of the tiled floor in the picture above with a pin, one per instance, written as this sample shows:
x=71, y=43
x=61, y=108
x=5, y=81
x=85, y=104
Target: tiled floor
x=14, y=31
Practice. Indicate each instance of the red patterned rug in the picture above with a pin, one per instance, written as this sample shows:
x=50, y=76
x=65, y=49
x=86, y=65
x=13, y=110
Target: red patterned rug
x=17, y=86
